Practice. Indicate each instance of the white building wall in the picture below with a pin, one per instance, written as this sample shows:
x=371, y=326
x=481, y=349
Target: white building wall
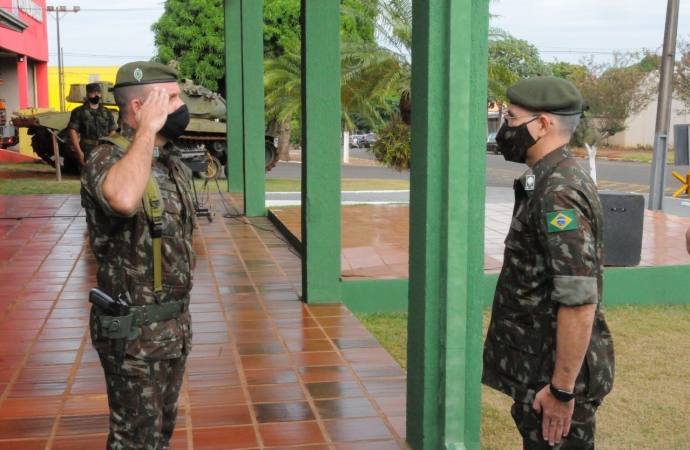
x=641, y=128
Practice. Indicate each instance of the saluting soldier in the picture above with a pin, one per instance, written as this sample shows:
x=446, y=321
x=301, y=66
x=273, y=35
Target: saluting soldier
x=139, y=213
x=90, y=122
x=548, y=345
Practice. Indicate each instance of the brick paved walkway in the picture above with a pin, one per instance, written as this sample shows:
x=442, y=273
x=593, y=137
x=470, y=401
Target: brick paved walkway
x=266, y=371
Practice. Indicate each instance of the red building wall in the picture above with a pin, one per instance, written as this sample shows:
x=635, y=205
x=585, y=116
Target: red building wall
x=32, y=44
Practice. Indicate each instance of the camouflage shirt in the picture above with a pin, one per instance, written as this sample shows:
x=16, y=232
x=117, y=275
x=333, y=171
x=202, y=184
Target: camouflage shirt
x=92, y=123
x=123, y=247
x=553, y=256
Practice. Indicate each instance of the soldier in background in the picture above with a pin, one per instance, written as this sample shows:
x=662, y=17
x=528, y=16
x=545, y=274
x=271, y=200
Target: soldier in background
x=143, y=246
x=548, y=345
x=90, y=122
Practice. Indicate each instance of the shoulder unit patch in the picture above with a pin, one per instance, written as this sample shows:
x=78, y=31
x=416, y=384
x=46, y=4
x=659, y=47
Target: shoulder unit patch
x=561, y=221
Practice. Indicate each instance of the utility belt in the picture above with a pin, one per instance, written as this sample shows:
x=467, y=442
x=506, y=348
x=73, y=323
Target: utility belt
x=89, y=141
x=127, y=327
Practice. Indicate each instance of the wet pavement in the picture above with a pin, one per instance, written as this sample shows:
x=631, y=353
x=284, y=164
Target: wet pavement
x=266, y=371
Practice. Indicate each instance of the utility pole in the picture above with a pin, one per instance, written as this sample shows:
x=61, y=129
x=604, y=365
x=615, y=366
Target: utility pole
x=663, y=112
x=61, y=73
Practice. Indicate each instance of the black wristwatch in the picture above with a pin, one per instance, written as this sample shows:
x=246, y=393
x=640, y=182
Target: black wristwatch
x=561, y=395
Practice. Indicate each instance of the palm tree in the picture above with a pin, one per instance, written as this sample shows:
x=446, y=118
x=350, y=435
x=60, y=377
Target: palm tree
x=389, y=61
x=371, y=72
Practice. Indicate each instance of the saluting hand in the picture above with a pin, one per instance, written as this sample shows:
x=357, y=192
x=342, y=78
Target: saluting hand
x=556, y=415
x=154, y=111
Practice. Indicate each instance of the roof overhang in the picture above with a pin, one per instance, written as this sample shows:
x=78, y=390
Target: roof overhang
x=11, y=22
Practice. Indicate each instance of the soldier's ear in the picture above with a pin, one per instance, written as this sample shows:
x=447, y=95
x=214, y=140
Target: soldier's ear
x=545, y=125
x=135, y=105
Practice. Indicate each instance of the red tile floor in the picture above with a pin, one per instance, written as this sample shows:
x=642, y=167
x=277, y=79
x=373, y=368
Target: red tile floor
x=375, y=238
x=266, y=370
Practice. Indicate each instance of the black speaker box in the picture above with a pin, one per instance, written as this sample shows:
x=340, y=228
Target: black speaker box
x=623, y=223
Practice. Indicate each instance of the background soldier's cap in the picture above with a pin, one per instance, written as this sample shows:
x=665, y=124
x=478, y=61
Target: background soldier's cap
x=93, y=87
x=547, y=94
x=144, y=72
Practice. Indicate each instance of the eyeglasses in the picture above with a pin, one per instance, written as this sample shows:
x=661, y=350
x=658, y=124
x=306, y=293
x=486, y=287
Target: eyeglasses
x=508, y=117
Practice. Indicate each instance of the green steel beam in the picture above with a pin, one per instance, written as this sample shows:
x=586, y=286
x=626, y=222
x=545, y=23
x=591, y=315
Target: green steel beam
x=233, y=89
x=449, y=54
x=321, y=151
x=253, y=94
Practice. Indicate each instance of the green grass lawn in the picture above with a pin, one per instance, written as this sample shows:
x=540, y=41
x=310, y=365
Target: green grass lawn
x=650, y=401
x=645, y=157
x=17, y=179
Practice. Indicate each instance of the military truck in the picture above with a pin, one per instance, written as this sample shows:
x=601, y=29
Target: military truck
x=204, y=137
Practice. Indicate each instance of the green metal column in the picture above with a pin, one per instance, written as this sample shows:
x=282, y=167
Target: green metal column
x=253, y=94
x=233, y=94
x=321, y=151
x=449, y=66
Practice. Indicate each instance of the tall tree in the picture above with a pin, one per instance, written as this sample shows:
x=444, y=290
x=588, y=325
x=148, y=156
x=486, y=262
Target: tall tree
x=510, y=60
x=615, y=92
x=192, y=33
x=282, y=66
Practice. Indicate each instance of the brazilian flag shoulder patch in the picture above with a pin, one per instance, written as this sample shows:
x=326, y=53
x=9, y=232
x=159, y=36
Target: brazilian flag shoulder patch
x=561, y=221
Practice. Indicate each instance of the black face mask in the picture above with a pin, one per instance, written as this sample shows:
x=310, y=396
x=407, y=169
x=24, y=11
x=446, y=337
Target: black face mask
x=513, y=142
x=176, y=123
x=94, y=100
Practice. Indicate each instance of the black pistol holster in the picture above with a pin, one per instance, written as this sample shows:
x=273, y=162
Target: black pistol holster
x=118, y=324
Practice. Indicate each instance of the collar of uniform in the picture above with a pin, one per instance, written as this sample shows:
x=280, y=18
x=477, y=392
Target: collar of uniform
x=548, y=162
x=127, y=131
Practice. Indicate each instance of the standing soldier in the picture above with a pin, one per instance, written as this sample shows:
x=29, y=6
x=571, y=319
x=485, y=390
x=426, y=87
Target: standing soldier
x=139, y=213
x=548, y=345
x=90, y=122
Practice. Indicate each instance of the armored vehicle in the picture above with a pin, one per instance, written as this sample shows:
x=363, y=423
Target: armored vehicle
x=204, y=137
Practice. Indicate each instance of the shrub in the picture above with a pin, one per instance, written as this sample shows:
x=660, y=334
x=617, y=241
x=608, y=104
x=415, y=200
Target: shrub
x=393, y=146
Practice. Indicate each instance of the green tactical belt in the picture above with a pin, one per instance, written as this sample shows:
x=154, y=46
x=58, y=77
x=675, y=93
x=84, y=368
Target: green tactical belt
x=128, y=326
x=89, y=141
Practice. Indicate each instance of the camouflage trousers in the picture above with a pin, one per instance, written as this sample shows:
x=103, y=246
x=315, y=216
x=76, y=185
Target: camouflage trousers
x=580, y=437
x=142, y=396
x=86, y=149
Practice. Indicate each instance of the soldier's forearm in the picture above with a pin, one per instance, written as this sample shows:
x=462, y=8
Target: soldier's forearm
x=74, y=139
x=573, y=333
x=125, y=183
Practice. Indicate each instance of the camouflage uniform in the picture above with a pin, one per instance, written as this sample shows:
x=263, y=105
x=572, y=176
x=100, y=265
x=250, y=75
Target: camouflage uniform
x=143, y=386
x=553, y=256
x=91, y=124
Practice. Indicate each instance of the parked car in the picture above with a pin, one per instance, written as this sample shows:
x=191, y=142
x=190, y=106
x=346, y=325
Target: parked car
x=491, y=145
x=355, y=140
x=368, y=140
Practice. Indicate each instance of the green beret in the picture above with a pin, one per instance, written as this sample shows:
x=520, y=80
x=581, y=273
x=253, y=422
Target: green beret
x=93, y=87
x=546, y=94
x=144, y=72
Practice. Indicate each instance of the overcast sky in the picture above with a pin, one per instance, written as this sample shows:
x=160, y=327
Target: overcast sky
x=110, y=33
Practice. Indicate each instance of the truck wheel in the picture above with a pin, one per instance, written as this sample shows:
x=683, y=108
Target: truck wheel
x=214, y=169
x=271, y=156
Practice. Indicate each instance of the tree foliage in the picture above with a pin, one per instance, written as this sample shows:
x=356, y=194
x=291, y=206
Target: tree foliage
x=510, y=60
x=567, y=71
x=192, y=33
x=615, y=92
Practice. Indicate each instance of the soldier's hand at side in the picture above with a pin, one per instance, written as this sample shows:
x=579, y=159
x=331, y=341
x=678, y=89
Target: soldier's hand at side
x=687, y=240
x=154, y=111
x=556, y=415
